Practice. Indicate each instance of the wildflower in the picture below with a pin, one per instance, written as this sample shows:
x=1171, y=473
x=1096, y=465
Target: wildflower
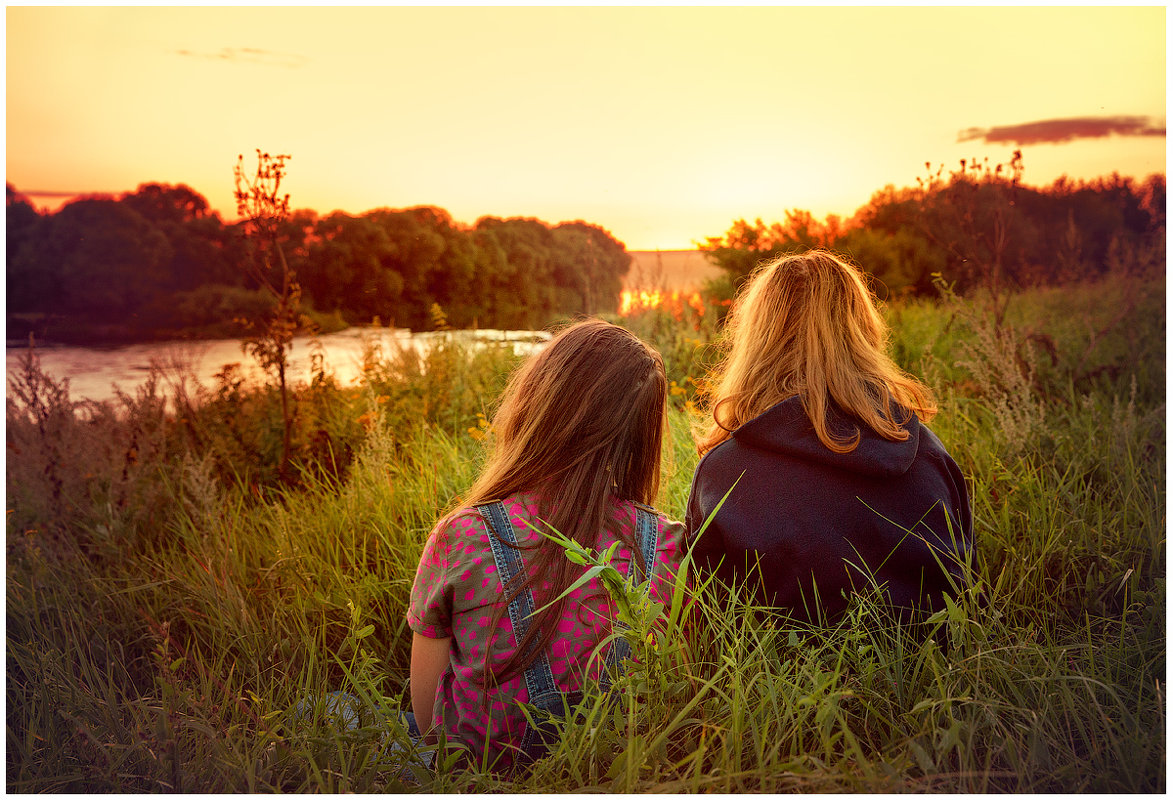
x=481, y=429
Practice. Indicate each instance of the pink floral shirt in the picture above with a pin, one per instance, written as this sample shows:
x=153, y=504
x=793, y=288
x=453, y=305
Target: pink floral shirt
x=458, y=594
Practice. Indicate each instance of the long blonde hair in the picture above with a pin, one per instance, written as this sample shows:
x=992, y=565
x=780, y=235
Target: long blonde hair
x=580, y=423
x=806, y=325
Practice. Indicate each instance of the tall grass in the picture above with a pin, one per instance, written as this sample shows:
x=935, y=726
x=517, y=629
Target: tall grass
x=168, y=605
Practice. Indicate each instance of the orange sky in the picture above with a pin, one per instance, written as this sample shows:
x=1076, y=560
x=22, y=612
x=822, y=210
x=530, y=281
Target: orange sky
x=661, y=124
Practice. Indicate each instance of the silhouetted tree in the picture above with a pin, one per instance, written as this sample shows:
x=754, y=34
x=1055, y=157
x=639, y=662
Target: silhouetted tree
x=30, y=281
x=195, y=233
x=593, y=265
x=902, y=260
x=112, y=261
x=978, y=226
x=349, y=269
x=161, y=203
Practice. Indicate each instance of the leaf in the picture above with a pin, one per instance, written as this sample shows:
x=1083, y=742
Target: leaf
x=612, y=576
x=923, y=759
x=927, y=703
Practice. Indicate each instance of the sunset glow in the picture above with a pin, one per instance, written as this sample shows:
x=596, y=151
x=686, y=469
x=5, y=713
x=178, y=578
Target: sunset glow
x=662, y=124
x=633, y=301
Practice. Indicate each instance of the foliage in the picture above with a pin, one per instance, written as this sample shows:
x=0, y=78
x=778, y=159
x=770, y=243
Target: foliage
x=976, y=225
x=684, y=332
x=745, y=246
x=115, y=269
x=168, y=607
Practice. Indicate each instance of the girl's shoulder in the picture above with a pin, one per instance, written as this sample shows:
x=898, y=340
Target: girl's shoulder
x=460, y=530
x=671, y=532
x=468, y=524
x=458, y=521
x=468, y=521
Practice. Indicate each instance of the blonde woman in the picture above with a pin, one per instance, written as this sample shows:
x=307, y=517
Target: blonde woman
x=840, y=487
x=577, y=443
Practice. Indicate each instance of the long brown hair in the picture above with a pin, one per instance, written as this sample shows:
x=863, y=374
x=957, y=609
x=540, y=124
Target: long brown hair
x=580, y=423
x=806, y=325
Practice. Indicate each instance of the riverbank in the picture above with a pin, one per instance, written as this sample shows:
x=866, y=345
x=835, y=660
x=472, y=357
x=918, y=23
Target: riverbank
x=58, y=329
x=649, y=270
x=99, y=372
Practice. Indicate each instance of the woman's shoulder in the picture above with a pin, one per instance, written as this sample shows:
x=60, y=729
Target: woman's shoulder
x=931, y=447
x=723, y=464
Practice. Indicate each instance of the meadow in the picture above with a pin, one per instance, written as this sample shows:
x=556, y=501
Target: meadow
x=170, y=597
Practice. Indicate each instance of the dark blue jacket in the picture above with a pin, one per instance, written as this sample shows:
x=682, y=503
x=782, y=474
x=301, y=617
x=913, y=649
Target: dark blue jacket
x=808, y=516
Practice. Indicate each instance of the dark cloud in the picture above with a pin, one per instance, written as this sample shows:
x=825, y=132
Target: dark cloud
x=1065, y=130
x=249, y=55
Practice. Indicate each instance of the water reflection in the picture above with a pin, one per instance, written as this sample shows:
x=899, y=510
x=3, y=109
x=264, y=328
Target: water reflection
x=94, y=372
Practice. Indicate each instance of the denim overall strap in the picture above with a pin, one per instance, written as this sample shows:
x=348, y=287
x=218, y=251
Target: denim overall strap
x=647, y=534
x=539, y=678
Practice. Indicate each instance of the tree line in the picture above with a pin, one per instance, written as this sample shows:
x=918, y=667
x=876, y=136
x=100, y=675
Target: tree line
x=158, y=260
x=975, y=226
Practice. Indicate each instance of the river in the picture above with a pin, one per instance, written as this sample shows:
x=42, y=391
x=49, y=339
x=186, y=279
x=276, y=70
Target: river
x=94, y=372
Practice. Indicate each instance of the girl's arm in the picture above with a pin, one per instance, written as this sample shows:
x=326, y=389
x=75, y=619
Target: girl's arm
x=429, y=660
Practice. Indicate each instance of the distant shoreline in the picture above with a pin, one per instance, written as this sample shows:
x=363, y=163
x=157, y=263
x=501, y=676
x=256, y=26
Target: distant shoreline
x=650, y=269
x=669, y=269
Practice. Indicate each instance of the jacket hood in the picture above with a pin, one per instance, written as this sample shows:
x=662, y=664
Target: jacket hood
x=785, y=428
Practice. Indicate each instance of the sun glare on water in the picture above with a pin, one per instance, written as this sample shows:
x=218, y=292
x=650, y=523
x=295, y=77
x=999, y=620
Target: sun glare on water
x=633, y=301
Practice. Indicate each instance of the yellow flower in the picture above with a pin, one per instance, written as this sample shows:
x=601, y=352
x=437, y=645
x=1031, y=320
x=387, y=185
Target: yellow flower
x=481, y=429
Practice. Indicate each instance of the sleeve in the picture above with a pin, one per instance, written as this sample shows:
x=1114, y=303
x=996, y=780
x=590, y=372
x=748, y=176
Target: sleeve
x=429, y=611
x=707, y=546
x=963, y=508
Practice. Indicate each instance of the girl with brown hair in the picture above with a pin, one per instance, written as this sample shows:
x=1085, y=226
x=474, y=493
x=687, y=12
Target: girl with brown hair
x=837, y=484
x=577, y=443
